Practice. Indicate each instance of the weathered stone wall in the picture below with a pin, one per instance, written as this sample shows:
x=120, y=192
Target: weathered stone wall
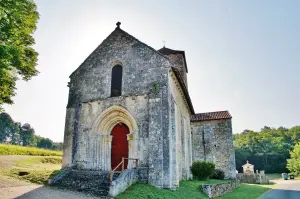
x=125, y=179
x=144, y=70
x=219, y=189
x=143, y=173
x=68, y=138
x=94, y=147
x=142, y=67
x=159, y=142
x=180, y=136
x=255, y=178
x=177, y=61
x=213, y=142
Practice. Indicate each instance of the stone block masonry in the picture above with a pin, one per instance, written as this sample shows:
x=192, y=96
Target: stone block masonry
x=213, y=142
x=216, y=190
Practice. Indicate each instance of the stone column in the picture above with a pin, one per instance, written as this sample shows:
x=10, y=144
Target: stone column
x=155, y=143
x=68, y=138
x=105, y=152
x=132, y=149
x=159, y=140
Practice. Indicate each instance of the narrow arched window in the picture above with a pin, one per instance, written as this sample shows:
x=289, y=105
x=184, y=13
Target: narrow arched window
x=116, y=81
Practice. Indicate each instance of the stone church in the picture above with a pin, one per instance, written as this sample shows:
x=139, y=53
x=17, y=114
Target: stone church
x=130, y=103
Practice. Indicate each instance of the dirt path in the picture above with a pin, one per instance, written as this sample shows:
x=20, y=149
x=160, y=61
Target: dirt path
x=12, y=188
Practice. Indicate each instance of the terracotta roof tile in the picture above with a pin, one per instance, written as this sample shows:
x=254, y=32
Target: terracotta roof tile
x=210, y=116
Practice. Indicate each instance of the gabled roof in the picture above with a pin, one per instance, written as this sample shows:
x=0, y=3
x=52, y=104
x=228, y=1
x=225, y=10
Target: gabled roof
x=247, y=164
x=185, y=91
x=218, y=115
x=118, y=29
x=168, y=51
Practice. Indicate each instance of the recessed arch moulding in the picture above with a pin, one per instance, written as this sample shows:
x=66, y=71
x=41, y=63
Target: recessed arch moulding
x=94, y=143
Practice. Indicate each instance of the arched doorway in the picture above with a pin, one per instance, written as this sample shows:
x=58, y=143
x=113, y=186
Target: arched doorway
x=119, y=145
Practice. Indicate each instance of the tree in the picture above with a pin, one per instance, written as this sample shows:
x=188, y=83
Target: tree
x=57, y=146
x=18, y=59
x=45, y=143
x=267, y=149
x=293, y=164
x=27, y=135
x=15, y=134
x=6, y=127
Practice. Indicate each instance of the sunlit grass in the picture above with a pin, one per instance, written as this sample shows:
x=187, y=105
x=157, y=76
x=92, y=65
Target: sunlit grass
x=40, y=163
x=7, y=149
x=190, y=190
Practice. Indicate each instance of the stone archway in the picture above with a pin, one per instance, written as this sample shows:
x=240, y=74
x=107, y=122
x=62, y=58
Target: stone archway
x=104, y=125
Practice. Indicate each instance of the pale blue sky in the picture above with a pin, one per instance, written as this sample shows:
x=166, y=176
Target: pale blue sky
x=243, y=56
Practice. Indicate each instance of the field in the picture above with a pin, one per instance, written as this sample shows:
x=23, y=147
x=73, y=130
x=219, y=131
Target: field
x=35, y=169
x=6, y=149
x=191, y=190
x=28, y=163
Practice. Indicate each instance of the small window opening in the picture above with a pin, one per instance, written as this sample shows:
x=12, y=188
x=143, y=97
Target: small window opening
x=116, y=81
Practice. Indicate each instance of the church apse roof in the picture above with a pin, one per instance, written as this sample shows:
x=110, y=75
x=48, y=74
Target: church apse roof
x=218, y=115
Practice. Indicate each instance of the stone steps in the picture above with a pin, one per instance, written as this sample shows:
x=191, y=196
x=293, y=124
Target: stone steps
x=92, y=182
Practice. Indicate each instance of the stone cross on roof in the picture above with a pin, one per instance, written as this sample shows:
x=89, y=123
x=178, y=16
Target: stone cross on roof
x=118, y=24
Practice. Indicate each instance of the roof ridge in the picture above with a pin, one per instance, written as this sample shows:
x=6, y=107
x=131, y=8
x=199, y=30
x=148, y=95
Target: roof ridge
x=115, y=30
x=151, y=48
x=216, y=115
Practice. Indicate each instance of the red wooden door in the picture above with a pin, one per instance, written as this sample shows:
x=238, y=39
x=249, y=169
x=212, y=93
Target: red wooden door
x=119, y=146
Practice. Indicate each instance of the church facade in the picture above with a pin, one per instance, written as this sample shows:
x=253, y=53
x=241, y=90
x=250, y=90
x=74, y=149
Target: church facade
x=128, y=101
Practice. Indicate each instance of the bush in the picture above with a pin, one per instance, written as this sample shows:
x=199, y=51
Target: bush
x=52, y=160
x=202, y=170
x=218, y=174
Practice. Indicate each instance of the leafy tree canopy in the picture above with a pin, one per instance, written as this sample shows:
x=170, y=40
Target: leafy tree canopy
x=294, y=163
x=267, y=149
x=18, y=59
x=15, y=133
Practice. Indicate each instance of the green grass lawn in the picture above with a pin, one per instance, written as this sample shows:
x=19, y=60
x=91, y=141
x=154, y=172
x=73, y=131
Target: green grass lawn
x=35, y=169
x=7, y=149
x=189, y=190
